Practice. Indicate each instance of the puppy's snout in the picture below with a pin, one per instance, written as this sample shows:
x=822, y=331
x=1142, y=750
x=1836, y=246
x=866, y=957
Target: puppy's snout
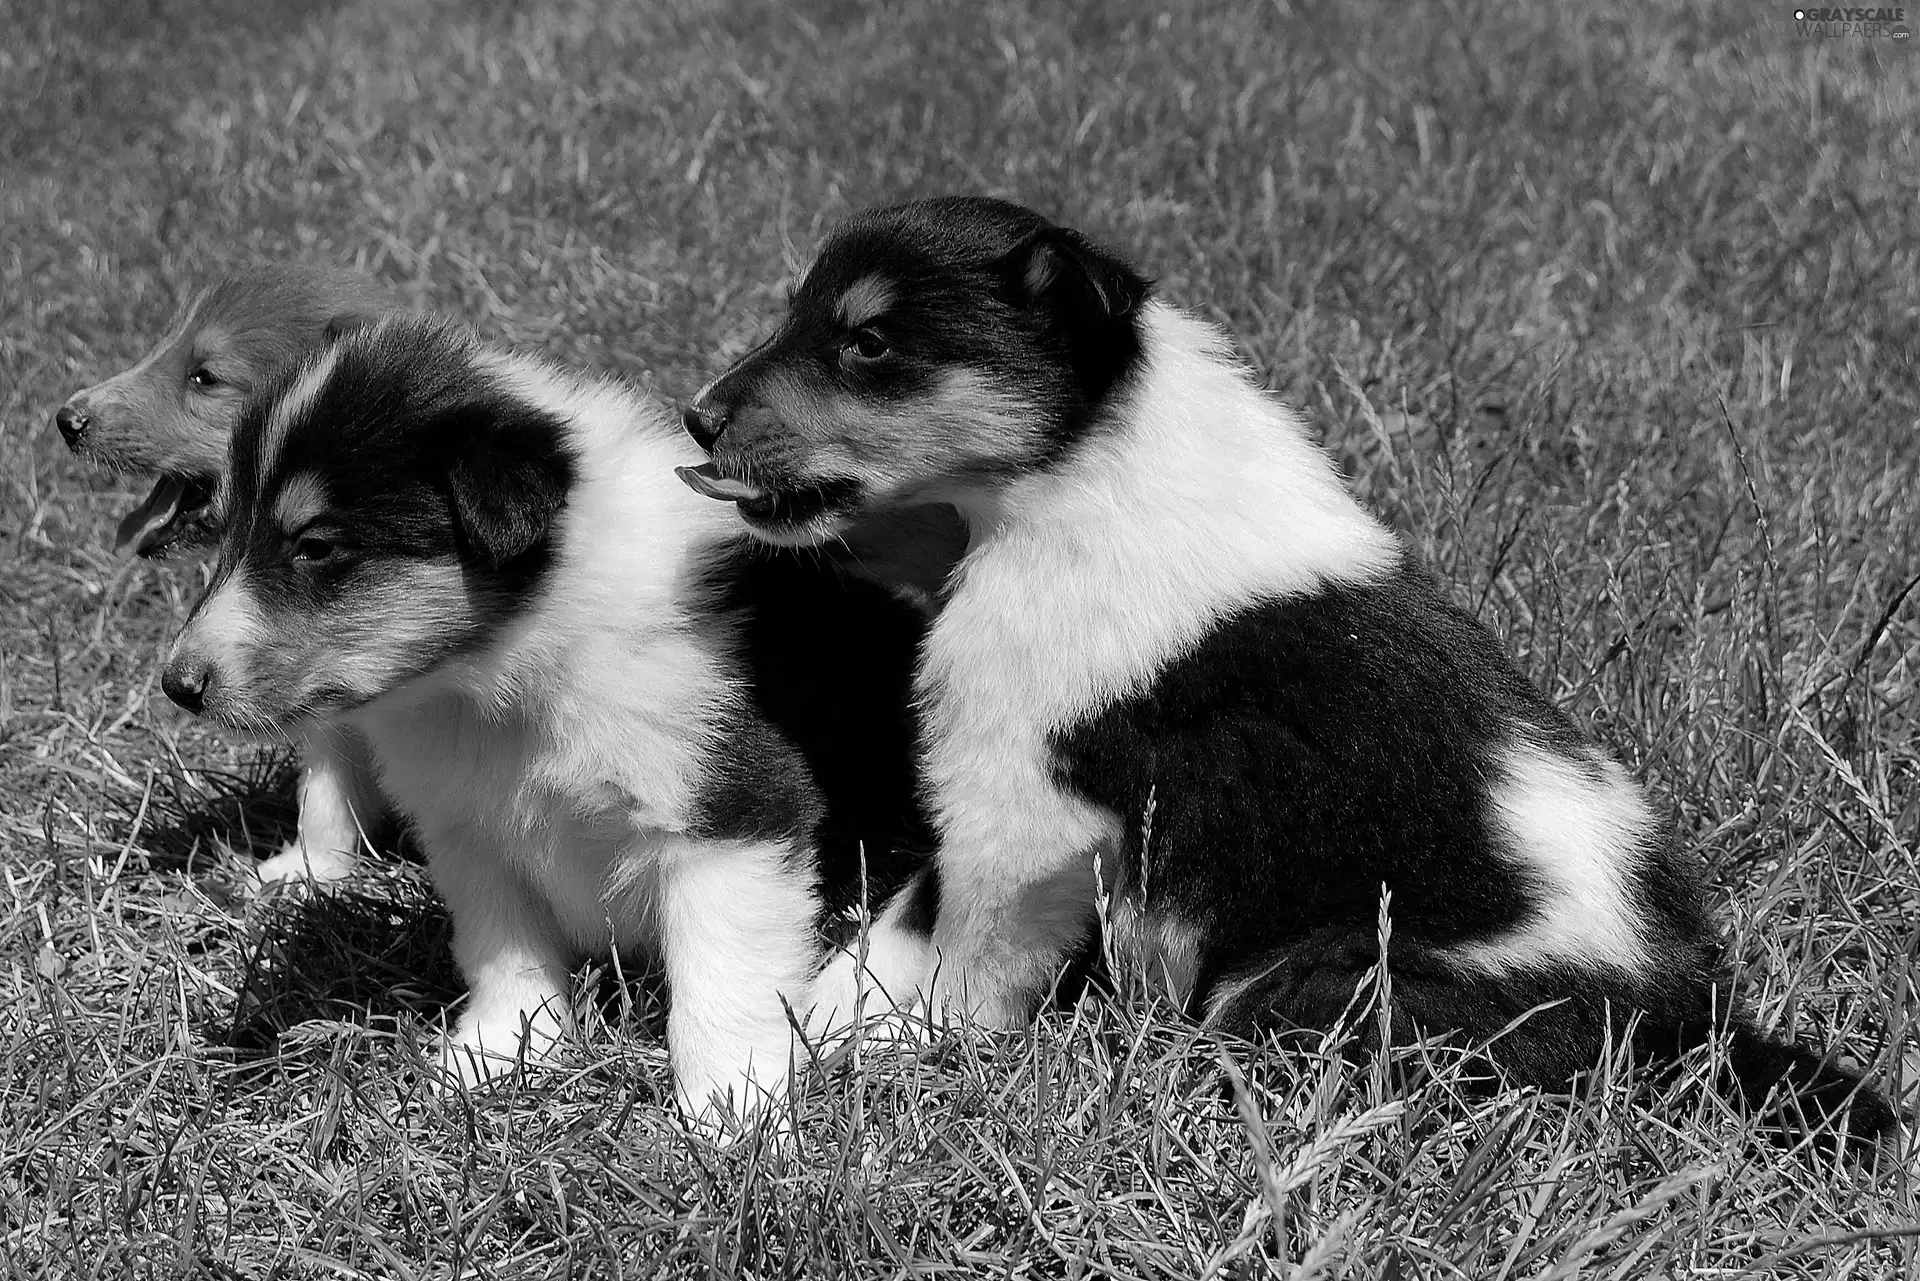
x=186, y=680
x=72, y=423
x=704, y=424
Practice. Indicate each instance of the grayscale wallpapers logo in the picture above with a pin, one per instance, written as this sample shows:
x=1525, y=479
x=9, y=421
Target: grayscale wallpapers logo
x=1872, y=24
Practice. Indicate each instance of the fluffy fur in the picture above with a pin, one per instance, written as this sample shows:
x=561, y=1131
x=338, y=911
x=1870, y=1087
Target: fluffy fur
x=616, y=724
x=1177, y=644
x=171, y=416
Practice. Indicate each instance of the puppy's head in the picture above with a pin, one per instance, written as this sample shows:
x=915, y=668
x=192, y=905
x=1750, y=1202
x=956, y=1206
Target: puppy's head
x=390, y=502
x=172, y=414
x=933, y=347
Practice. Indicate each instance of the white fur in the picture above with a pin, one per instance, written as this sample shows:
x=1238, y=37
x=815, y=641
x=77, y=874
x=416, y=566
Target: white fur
x=1578, y=828
x=897, y=960
x=226, y=625
x=865, y=299
x=1159, y=947
x=291, y=406
x=1082, y=583
x=301, y=498
x=551, y=774
x=736, y=929
x=338, y=804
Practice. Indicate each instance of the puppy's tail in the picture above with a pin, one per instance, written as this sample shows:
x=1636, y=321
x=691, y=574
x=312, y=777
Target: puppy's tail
x=1812, y=1090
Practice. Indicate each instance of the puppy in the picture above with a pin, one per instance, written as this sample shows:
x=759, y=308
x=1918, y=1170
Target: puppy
x=171, y=416
x=616, y=724
x=1178, y=645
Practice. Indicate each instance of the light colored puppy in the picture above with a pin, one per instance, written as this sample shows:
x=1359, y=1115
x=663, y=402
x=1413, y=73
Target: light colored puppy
x=171, y=416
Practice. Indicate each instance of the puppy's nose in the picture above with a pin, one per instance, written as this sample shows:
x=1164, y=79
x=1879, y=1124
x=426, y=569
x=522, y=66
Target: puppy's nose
x=704, y=424
x=72, y=424
x=186, y=680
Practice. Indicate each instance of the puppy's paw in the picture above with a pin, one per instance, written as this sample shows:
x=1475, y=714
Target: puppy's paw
x=470, y=1066
x=846, y=1000
x=478, y=1053
x=297, y=863
x=722, y=1107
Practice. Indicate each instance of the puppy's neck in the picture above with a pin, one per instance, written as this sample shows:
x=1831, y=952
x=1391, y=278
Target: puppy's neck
x=1191, y=471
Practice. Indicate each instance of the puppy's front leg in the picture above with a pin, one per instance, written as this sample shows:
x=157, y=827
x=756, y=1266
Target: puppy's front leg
x=737, y=936
x=883, y=973
x=516, y=963
x=338, y=802
x=1016, y=894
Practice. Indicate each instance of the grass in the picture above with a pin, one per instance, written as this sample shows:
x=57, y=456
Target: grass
x=1613, y=310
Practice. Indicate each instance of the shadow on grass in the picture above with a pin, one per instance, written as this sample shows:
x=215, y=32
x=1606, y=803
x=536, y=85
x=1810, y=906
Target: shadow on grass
x=380, y=951
x=349, y=953
x=187, y=825
x=374, y=949
x=383, y=951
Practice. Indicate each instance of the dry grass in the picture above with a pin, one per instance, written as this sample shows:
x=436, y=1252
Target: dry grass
x=1614, y=311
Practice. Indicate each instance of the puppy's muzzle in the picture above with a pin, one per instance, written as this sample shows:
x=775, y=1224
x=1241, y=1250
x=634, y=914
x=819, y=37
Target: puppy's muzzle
x=704, y=424
x=73, y=424
x=186, y=680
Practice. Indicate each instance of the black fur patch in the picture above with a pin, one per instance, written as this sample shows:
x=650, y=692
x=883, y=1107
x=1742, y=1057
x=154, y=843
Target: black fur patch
x=1310, y=751
x=422, y=456
x=761, y=790
x=830, y=662
x=922, y=907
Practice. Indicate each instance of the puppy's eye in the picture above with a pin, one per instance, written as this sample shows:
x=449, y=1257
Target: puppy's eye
x=312, y=549
x=865, y=344
x=202, y=378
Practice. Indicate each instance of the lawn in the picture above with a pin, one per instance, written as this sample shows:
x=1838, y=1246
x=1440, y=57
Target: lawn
x=1614, y=310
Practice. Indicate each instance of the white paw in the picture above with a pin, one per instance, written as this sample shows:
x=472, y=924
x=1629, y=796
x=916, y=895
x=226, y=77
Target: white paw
x=840, y=998
x=884, y=991
x=297, y=862
x=720, y=1103
x=848, y=1005
x=990, y=1006
x=732, y=1071
x=476, y=1053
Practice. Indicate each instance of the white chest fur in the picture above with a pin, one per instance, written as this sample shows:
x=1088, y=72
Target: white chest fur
x=1081, y=585
x=498, y=786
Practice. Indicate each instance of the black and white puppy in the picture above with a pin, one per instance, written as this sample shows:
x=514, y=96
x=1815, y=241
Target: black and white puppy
x=615, y=722
x=1178, y=644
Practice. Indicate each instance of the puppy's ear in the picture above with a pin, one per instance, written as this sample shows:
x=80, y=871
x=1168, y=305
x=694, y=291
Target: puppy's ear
x=346, y=321
x=1061, y=272
x=1085, y=300
x=509, y=478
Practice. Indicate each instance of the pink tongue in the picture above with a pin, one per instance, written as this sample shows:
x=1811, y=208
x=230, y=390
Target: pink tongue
x=706, y=479
x=146, y=525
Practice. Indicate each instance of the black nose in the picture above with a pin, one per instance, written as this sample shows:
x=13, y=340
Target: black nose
x=72, y=424
x=186, y=681
x=704, y=425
